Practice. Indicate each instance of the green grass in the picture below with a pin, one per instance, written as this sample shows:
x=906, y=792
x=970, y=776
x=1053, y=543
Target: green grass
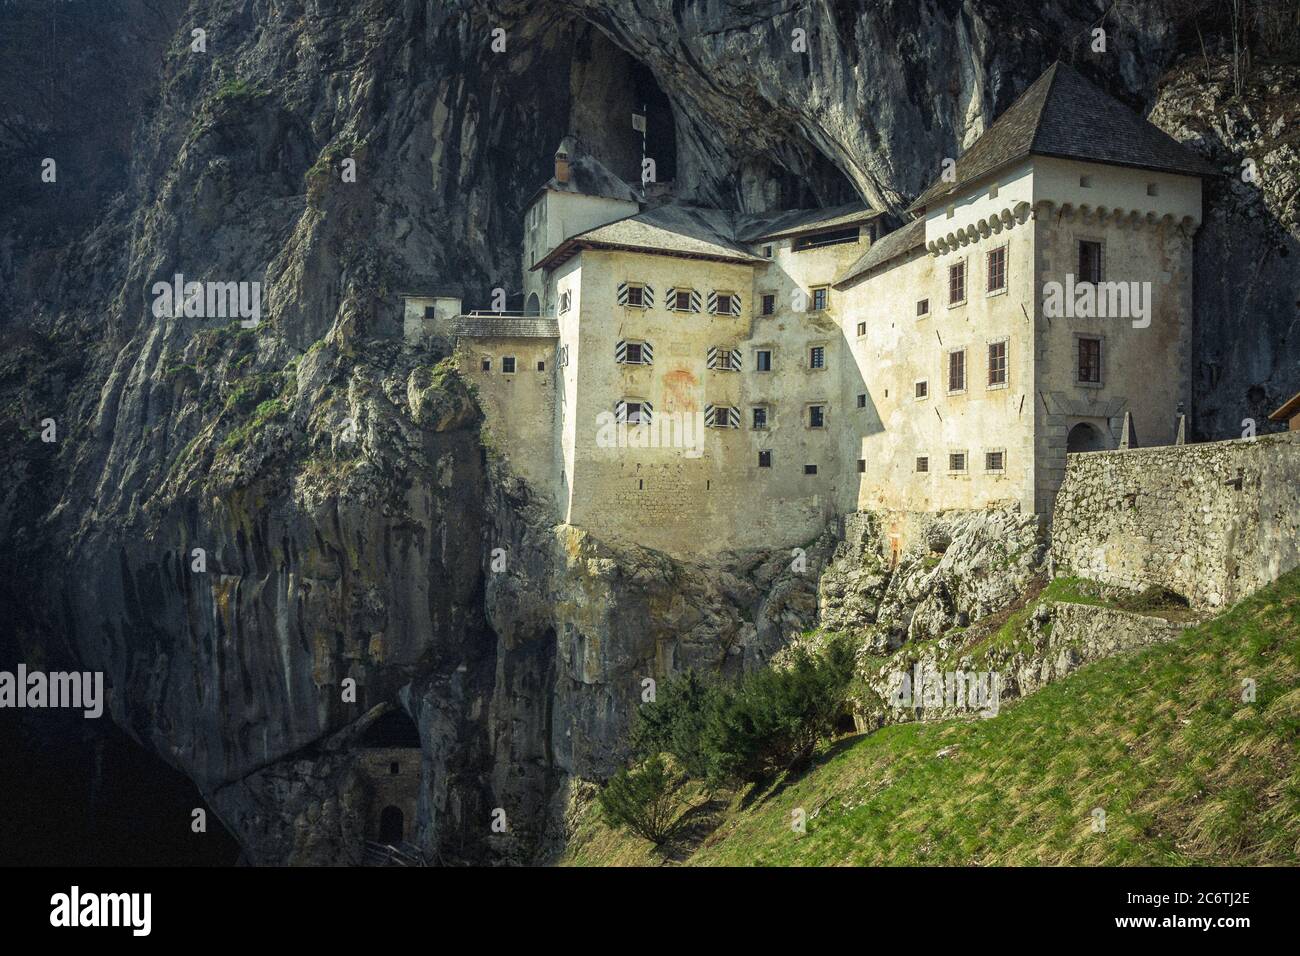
x=1186, y=772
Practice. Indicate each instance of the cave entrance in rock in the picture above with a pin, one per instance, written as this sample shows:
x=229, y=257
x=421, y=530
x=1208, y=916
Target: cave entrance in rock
x=1085, y=437
x=392, y=729
x=661, y=131
x=392, y=825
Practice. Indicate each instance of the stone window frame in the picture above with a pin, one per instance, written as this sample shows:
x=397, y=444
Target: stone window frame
x=946, y=373
x=771, y=358
x=514, y=365
x=812, y=298
x=1006, y=382
x=688, y=292
x=1002, y=471
x=923, y=314
x=824, y=345
x=1101, y=360
x=964, y=470
x=765, y=452
x=566, y=300
x=763, y=298
x=768, y=416
x=1006, y=270
x=485, y=363
x=640, y=402
x=731, y=298
x=640, y=289
x=1099, y=239
x=809, y=470
x=825, y=406
x=921, y=398
x=862, y=399
x=921, y=465
x=964, y=262
x=862, y=330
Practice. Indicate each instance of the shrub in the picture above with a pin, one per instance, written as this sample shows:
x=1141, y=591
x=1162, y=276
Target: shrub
x=674, y=722
x=642, y=800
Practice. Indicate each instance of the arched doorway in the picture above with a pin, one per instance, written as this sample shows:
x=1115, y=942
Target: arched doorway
x=534, y=306
x=391, y=826
x=1085, y=437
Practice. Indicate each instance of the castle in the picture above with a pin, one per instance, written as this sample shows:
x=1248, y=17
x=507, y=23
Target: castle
x=697, y=380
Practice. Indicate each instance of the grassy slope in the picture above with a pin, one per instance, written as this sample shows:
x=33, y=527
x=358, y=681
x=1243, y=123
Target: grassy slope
x=1160, y=740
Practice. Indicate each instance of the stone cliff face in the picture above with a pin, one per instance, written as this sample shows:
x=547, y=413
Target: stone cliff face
x=333, y=477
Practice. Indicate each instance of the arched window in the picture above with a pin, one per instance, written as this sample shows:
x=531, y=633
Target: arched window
x=534, y=306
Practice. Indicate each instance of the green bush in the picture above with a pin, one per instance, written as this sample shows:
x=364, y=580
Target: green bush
x=642, y=800
x=772, y=719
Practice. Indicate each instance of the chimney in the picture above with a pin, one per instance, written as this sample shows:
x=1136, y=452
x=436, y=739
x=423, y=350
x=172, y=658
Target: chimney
x=562, y=160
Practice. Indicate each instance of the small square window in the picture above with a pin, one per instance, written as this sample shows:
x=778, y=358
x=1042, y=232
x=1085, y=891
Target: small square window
x=862, y=329
x=862, y=400
x=767, y=252
x=816, y=416
x=487, y=365
x=769, y=303
x=508, y=365
x=633, y=353
x=635, y=414
x=635, y=296
x=810, y=469
x=923, y=389
x=957, y=461
x=862, y=466
x=682, y=301
x=724, y=304
x=566, y=301
x=817, y=357
x=764, y=459
x=760, y=417
x=430, y=312
x=922, y=464
x=1085, y=182
x=541, y=365
x=724, y=361
x=1153, y=189
x=821, y=297
x=763, y=360
x=922, y=307
x=994, y=460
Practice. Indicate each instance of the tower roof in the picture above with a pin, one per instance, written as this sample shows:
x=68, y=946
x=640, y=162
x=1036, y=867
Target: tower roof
x=1064, y=115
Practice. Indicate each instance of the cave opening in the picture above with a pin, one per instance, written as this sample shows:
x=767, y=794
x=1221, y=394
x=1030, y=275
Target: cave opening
x=391, y=825
x=393, y=728
x=649, y=100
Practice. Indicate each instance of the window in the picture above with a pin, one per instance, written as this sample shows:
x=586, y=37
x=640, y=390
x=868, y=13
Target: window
x=769, y=303
x=957, y=371
x=430, y=312
x=764, y=459
x=767, y=252
x=635, y=296
x=760, y=417
x=821, y=297
x=763, y=360
x=724, y=360
x=995, y=460
x=810, y=469
x=1153, y=189
x=997, y=364
x=487, y=365
x=957, y=461
x=724, y=304
x=1085, y=182
x=1089, y=261
x=957, y=283
x=1090, y=361
x=566, y=301
x=997, y=270
x=923, y=389
x=862, y=466
x=721, y=416
x=816, y=416
x=862, y=400
x=832, y=238
x=541, y=365
x=922, y=464
x=922, y=307
x=636, y=414
x=682, y=301
x=633, y=353
x=508, y=364
x=817, y=356
x=862, y=329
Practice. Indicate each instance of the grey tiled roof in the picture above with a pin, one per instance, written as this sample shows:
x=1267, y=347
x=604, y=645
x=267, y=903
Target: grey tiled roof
x=1063, y=115
x=753, y=229
x=681, y=229
x=890, y=246
x=590, y=177
x=505, y=327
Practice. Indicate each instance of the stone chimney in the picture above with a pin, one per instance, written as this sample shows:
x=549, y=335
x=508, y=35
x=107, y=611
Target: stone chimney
x=562, y=159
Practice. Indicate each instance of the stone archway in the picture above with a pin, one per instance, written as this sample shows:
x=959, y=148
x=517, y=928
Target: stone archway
x=392, y=826
x=1085, y=437
x=534, y=306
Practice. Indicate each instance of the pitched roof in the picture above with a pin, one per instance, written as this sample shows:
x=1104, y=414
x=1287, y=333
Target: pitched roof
x=588, y=176
x=1063, y=115
x=505, y=327
x=693, y=231
x=796, y=221
x=1290, y=407
x=889, y=246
